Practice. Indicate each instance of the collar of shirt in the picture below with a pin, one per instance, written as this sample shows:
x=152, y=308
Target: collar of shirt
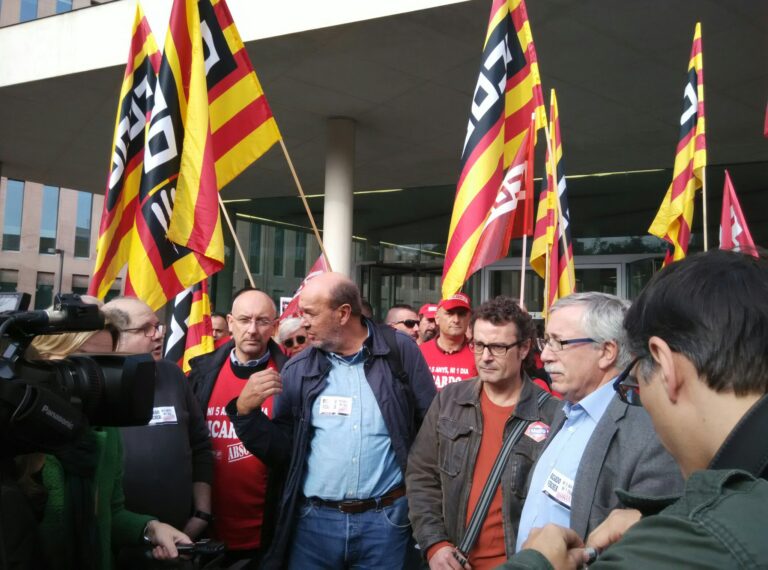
x=263, y=359
x=358, y=356
x=594, y=404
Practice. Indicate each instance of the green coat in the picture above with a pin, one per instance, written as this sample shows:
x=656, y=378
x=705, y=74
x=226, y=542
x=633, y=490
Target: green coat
x=116, y=526
x=719, y=522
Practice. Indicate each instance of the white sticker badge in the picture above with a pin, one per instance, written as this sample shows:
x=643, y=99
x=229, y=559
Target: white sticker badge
x=335, y=406
x=559, y=488
x=163, y=415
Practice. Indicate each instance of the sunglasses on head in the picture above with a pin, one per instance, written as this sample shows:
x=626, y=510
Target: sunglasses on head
x=298, y=339
x=627, y=386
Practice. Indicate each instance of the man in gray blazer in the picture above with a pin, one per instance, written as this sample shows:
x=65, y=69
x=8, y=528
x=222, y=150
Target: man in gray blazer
x=597, y=443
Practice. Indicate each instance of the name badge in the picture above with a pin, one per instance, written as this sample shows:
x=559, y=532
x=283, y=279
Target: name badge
x=163, y=415
x=537, y=431
x=335, y=406
x=559, y=488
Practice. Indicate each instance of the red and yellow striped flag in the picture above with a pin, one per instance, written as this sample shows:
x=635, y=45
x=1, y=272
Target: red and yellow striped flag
x=191, y=331
x=553, y=222
x=675, y=216
x=507, y=94
x=121, y=195
x=210, y=120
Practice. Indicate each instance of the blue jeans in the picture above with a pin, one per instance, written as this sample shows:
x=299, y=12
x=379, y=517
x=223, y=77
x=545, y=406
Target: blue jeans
x=326, y=538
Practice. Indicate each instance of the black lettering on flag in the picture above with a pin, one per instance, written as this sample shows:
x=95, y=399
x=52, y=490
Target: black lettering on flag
x=156, y=211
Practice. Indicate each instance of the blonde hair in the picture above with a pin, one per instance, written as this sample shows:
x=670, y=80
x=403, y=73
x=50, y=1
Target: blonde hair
x=52, y=346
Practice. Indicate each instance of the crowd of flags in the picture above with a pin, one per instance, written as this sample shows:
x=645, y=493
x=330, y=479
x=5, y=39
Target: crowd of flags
x=192, y=118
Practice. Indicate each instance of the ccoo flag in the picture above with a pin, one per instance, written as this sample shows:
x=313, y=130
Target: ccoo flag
x=318, y=268
x=734, y=233
x=121, y=194
x=675, y=216
x=191, y=331
x=507, y=94
x=209, y=121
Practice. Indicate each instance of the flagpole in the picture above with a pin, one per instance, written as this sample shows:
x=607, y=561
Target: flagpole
x=545, y=304
x=237, y=241
x=522, y=269
x=306, y=205
x=704, y=205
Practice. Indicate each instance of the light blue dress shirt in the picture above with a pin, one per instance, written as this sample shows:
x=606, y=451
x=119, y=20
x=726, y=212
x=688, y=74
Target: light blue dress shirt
x=564, y=455
x=351, y=455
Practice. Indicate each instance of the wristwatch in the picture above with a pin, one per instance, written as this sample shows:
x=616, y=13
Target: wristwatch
x=202, y=515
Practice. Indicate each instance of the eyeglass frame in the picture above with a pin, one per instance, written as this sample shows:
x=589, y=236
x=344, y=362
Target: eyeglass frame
x=405, y=322
x=260, y=322
x=545, y=342
x=294, y=339
x=493, y=346
x=159, y=327
x=628, y=392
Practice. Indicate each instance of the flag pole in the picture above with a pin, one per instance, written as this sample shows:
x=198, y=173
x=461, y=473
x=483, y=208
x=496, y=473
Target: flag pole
x=237, y=241
x=522, y=269
x=704, y=205
x=306, y=205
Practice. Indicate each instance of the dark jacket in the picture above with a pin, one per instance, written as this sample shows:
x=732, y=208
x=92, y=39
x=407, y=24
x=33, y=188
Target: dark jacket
x=442, y=461
x=202, y=375
x=285, y=440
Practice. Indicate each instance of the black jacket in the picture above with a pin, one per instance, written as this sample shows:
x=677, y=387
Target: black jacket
x=285, y=440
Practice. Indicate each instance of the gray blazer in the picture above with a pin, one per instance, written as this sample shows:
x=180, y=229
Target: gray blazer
x=623, y=453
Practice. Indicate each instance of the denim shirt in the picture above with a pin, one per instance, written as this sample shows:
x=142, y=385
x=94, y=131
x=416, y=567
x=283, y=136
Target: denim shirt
x=351, y=455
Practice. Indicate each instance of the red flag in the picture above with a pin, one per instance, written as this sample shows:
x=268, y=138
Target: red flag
x=318, y=268
x=734, y=233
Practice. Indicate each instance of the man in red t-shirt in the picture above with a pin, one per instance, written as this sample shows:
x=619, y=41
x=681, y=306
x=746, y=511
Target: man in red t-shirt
x=461, y=436
x=448, y=355
x=244, y=492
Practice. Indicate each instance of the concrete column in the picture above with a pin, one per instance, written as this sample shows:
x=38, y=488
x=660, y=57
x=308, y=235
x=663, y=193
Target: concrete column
x=339, y=184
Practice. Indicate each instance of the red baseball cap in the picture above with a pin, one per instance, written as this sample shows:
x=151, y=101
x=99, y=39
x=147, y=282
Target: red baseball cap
x=457, y=301
x=429, y=310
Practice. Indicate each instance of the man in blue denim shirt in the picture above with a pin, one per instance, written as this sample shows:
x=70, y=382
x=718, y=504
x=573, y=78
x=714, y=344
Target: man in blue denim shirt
x=344, y=423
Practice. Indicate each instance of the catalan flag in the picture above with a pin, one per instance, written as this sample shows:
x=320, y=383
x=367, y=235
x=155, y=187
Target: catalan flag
x=734, y=233
x=553, y=222
x=121, y=194
x=191, y=332
x=209, y=121
x=675, y=216
x=507, y=94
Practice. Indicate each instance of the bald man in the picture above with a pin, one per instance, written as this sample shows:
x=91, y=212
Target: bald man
x=245, y=492
x=348, y=409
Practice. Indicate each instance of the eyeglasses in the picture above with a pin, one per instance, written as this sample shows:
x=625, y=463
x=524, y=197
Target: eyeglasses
x=149, y=330
x=627, y=386
x=298, y=339
x=409, y=323
x=261, y=322
x=556, y=345
x=495, y=349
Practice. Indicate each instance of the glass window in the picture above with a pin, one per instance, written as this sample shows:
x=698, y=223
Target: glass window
x=254, y=248
x=28, y=10
x=300, y=259
x=14, y=203
x=80, y=284
x=279, y=252
x=63, y=6
x=44, y=291
x=83, y=225
x=9, y=280
x=48, y=219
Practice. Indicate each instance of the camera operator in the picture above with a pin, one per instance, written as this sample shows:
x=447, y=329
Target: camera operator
x=85, y=519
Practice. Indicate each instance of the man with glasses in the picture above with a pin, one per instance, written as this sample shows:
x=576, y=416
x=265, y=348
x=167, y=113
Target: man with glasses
x=244, y=490
x=403, y=318
x=598, y=443
x=463, y=434
x=168, y=463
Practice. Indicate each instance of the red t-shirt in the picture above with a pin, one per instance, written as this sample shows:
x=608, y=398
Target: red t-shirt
x=240, y=479
x=488, y=551
x=448, y=368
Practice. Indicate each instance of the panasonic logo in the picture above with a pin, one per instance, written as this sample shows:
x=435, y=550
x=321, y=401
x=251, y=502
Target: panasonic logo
x=54, y=416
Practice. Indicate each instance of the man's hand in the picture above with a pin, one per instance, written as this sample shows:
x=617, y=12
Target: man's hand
x=561, y=546
x=260, y=386
x=612, y=528
x=443, y=560
x=165, y=537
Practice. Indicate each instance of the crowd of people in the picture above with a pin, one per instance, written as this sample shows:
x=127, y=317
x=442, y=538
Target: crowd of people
x=448, y=437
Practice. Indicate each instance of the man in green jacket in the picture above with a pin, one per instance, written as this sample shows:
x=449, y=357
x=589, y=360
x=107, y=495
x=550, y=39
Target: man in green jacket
x=699, y=333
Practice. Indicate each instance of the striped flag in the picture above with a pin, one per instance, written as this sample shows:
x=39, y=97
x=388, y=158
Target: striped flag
x=507, y=94
x=190, y=333
x=734, y=233
x=209, y=121
x=553, y=222
x=121, y=194
x=675, y=216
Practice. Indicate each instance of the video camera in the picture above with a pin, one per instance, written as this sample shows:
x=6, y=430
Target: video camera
x=45, y=405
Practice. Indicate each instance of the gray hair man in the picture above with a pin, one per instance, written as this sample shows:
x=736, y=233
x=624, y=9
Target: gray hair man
x=598, y=443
